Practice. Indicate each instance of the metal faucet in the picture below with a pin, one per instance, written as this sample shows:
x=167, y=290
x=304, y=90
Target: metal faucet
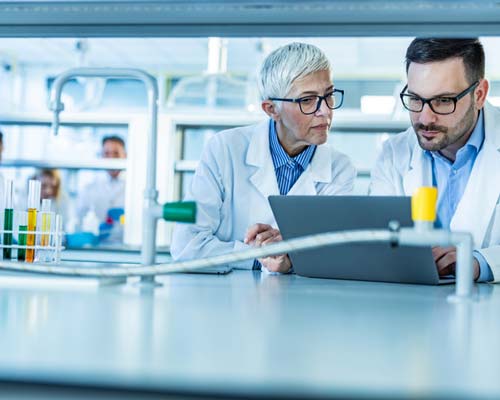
x=151, y=210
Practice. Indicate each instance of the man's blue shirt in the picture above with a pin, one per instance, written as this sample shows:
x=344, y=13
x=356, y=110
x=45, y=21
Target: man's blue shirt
x=451, y=179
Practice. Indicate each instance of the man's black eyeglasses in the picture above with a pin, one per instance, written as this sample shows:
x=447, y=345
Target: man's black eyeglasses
x=441, y=105
x=311, y=104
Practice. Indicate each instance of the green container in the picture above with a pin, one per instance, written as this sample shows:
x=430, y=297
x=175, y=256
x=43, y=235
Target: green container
x=7, y=237
x=180, y=211
x=21, y=253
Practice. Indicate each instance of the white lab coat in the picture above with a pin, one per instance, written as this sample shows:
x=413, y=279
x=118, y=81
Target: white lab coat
x=231, y=185
x=402, y=167
x=101, y=195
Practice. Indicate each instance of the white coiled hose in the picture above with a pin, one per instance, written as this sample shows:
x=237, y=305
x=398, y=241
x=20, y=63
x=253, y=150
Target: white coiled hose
x=283, y=247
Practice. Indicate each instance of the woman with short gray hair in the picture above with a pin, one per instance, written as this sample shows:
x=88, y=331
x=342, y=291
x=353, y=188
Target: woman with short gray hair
x=286, y=154
x=287, y=64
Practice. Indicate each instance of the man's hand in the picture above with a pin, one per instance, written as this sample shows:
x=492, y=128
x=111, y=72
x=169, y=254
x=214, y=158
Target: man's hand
x=261, y=235
x=446, y=260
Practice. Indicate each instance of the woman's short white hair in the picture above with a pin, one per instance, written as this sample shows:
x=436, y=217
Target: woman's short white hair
x=288, y=63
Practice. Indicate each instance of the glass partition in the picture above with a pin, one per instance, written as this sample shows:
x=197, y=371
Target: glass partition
x=196, y=100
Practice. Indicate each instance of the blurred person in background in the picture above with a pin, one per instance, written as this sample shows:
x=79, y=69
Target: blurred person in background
x=50, y=180
x=107, y=191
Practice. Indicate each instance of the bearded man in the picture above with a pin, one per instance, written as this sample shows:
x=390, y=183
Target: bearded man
x=453, y=144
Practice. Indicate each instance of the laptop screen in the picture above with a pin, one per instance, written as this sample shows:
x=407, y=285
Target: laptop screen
x=305, y=215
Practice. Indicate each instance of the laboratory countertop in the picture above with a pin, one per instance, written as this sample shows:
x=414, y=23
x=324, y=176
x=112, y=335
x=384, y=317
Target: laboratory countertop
x=248, y=334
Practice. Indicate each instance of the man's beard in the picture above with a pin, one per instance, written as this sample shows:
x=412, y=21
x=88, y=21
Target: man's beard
x=448, y=135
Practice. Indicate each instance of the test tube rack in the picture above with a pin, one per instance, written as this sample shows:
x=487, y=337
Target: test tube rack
x=48, y=244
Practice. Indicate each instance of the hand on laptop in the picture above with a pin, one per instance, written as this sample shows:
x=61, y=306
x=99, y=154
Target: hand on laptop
x=446, y=259
x=262, y=234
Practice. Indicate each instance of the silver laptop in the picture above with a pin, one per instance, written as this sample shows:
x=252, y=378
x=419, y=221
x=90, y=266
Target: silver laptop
x=305, y=215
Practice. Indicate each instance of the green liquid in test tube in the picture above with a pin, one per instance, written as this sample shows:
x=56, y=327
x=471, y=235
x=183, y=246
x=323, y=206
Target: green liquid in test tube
x=8, y=219
x=21, y=239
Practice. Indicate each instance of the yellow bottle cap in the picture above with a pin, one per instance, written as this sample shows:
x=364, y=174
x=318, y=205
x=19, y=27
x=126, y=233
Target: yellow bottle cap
x=423, y=204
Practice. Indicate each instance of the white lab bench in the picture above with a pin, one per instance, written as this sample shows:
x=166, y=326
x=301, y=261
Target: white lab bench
x=249, y=335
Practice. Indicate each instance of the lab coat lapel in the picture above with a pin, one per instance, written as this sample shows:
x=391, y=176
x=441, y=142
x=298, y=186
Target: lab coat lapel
x=420, y=172
x=259, y=156
x=475, y=209
x=318, y=170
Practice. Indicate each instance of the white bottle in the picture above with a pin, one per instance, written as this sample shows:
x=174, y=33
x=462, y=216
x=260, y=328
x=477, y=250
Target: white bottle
x=90, y=222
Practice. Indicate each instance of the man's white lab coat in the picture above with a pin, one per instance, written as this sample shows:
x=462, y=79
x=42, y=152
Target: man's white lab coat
x=231, y=185
x=101, y=195
x=402, y=167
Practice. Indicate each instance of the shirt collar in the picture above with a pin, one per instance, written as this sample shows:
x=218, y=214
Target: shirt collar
x=280, y=156
x=477, y=138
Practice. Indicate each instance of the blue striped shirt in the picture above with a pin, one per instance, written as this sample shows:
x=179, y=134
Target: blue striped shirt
x=451, y=179
x=288, y=169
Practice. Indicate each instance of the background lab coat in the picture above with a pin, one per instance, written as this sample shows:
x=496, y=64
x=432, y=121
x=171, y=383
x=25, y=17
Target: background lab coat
x=402, y=167
x=101, y=195
x=231, y=185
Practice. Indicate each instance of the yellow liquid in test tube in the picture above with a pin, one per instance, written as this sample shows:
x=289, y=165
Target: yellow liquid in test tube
x=30, y=239
x=46, y=221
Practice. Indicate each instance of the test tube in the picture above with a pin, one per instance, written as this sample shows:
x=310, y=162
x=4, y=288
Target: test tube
x=21, y=239
x=46, y=222
x=34, y=189
x=58, y=238
x=8, y=219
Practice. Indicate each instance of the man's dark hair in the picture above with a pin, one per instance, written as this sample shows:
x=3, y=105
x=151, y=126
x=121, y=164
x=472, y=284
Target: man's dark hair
x=426, y=50
x=1, y=137
x=113, y=138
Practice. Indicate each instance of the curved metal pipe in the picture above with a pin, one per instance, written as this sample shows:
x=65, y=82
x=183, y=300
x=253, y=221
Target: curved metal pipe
x=150, y=192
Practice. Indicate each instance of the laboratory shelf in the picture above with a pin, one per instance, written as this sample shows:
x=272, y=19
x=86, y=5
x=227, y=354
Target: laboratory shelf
x=195, y=18
x=191, y=165
x=67, y=119
x=95, y=164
